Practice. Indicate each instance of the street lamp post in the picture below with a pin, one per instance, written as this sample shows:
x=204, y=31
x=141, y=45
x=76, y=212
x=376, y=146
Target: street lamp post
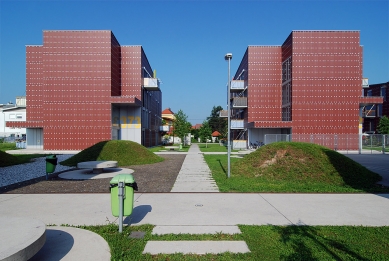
x=228, y=58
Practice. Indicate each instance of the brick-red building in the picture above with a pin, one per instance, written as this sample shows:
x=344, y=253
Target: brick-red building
x=83, y=87
x=310, y=85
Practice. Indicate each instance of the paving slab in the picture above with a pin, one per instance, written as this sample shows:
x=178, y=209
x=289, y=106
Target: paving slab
x=163, y=230
x=195, y=247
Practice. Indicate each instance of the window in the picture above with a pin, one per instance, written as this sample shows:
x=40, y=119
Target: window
x=12, y=116
x=19, y=116
x=383, y=92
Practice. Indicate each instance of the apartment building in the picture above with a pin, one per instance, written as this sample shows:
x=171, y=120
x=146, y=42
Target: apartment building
x=83, y=87
x=13, y=112
x=311, y=85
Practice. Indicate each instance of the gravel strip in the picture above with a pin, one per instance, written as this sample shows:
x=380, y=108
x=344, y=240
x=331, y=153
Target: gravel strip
x=23, y=172
x=156, y=177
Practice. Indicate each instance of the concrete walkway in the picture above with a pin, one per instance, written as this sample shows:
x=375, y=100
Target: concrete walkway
x=195, y=175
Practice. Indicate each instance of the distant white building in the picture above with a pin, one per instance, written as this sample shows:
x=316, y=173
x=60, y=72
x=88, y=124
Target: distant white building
x=13, y=112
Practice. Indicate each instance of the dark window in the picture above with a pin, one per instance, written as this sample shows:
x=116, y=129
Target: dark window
x=383, y=92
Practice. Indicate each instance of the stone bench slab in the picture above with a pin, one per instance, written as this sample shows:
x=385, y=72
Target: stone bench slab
x=97, y=166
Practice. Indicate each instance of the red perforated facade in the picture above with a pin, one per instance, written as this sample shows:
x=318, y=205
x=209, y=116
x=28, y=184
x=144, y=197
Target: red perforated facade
x=82, y=87
x=310, y=85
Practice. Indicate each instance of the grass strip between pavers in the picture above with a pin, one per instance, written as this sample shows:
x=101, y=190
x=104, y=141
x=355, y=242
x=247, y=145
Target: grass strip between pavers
x=265, y=243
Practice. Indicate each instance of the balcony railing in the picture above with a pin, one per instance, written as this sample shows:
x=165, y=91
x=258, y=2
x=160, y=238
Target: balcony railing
x=164, y=128
x=369, y=113
x=223, y=113
x=369, y=100
x=237, y=85
x=239, y=102
x=237, y=124
x=151, y=84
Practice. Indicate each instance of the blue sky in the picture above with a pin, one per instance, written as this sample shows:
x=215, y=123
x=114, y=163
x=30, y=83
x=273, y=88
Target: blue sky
x=185, y=41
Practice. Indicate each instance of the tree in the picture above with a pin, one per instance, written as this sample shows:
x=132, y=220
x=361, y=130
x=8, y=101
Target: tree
x=217, y=123
x=181, y=125
x=205, y=132
x=195, y=133
x=383, y=125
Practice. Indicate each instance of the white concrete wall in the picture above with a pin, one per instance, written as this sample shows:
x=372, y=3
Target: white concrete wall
x=13, y=114
x=257, y=134
x=127, y=123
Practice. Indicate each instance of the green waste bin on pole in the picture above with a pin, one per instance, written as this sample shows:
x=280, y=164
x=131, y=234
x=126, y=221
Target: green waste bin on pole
x=122, y=188
x=51, y=163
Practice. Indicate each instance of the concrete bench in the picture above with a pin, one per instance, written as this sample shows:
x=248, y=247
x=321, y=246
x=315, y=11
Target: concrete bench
x=97, y=166
x=172, y=147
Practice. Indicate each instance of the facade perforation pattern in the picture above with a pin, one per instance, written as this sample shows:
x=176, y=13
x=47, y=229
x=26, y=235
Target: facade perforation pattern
x=311, y=84
x=75, y=80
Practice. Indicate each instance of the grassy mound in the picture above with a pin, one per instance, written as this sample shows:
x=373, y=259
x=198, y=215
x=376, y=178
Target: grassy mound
x=300, y=167
x=7, y=159
x=124, y=152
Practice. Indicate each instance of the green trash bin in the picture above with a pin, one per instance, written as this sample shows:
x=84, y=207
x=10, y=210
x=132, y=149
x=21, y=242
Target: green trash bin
x=128, y=197
x=51, y=163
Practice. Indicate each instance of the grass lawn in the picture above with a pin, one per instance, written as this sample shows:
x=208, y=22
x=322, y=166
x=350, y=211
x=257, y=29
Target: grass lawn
x=293, y=167
x=377, y=148
x=7, y=146
x=213, y=147
x=125, y=152
x=162, y=148
x=264, y=242
x=9, y=160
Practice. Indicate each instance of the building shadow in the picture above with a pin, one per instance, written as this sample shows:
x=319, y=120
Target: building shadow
x=306, y=241
x=354, y=174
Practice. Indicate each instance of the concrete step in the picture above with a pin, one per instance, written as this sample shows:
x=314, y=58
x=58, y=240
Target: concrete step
x=195, y=247
x=163, y=230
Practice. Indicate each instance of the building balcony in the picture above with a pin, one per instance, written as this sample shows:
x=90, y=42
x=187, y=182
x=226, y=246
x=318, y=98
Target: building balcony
x=164, y=128
x=151, y=84
x=239, y=102
x=237, y=124
x=370, y=100
x=237, y=85
x=223, y=114
x=369, y=114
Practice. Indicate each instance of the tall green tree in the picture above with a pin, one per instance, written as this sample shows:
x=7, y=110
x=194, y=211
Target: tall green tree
x=205, y=132
x=217, y=123
x=383, y=125
x=181, y=125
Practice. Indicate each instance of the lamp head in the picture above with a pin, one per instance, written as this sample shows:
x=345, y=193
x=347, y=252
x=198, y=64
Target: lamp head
x=228, y=56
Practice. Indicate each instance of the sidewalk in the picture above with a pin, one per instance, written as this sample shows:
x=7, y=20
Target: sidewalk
x=210, y=209
x=195, y=175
